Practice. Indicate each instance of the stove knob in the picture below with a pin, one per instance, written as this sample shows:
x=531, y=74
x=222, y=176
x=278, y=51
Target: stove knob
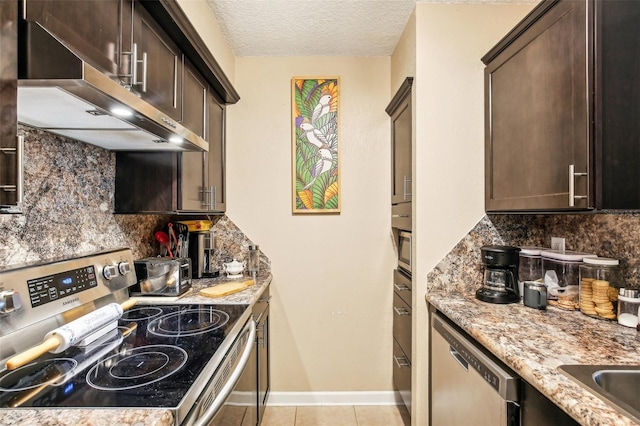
x=110, y=272
x=124, y=267
x=9, y=301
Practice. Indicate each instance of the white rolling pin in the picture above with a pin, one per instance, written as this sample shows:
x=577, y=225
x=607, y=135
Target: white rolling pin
x=69, y=334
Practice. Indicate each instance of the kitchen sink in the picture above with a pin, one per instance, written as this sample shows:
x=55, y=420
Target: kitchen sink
x=619, y=385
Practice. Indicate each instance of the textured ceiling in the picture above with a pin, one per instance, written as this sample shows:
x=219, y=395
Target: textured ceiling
x=317, y=27
x=312, y=27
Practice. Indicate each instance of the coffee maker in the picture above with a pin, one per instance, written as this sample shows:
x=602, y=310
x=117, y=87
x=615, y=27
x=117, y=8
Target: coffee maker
x=201, y=249
x=500, y=284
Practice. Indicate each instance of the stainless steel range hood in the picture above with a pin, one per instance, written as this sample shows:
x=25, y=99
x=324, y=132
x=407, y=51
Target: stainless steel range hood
x=60, y=93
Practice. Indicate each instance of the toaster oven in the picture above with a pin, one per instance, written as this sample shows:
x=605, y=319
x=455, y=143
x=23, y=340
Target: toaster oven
x=162, y=276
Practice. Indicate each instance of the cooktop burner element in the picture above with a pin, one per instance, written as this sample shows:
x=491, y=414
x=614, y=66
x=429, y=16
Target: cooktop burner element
x=188, y=323
x=142, y=313
x=159, y=350
x=137, y=367
x=37, y=374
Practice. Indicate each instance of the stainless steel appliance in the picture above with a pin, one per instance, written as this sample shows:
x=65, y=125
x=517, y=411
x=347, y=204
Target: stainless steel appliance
x=162, y=276
x=201, y=250
x=500, y=283
x=189, y=357
x=468, y=385
x=404, y=251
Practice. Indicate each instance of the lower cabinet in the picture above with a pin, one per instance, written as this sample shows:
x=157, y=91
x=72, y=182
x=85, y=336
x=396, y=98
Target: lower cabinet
x=261, y=315
x=402, y=336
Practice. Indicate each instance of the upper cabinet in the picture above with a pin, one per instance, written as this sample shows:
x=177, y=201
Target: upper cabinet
x=561, y=110
x=10, y=145
x=399, y=109
x=157, y=65
x=94, y=29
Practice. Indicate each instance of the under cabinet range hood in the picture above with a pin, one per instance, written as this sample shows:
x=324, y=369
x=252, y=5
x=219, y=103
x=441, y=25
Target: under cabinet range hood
x=62, y=94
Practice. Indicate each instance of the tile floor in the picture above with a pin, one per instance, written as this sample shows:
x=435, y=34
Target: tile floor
x=337, y=415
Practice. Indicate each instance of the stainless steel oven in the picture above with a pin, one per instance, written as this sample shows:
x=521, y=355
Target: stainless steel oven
x=97, y=349
x=404, y=251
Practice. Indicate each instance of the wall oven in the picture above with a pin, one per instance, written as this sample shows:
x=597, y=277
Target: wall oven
x=404, y=251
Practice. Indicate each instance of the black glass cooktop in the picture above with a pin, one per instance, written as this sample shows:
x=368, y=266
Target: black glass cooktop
x=150, y=360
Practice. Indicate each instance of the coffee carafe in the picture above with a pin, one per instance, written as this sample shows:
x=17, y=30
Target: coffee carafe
x=500, y=284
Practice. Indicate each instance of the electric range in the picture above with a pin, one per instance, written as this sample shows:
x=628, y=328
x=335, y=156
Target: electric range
x=152, y=356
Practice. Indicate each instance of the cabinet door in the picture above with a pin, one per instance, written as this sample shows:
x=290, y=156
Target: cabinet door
x=10, y=150
x=401, y=133
x=158, y=65
x=215, y=158
x=261, y=309
x=537, y=124
x=145, y=182
x=194, y=99
x=91, y=28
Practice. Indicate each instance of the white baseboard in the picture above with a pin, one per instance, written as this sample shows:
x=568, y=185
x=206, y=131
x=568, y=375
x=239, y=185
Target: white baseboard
x=334, y=398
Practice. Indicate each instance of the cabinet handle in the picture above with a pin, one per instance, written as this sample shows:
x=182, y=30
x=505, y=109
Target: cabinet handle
x=572, y=186
x=214, y=197
x=18, y=187
x=401, y=311
x=401, y=361
x=144, y=72
x=175, y=82
x=405, y=194
x=399, y=215
x=401, y=287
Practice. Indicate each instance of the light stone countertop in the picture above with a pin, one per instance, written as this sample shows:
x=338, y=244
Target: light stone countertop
x=534, y=343
x=132, y=417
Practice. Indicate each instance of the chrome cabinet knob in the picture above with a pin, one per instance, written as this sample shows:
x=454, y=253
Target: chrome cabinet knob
x=9, y=301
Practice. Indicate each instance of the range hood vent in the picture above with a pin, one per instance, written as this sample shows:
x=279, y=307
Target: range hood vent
x=62, y=94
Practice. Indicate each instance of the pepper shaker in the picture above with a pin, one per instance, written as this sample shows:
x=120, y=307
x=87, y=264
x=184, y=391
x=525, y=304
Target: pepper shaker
x=254, y=260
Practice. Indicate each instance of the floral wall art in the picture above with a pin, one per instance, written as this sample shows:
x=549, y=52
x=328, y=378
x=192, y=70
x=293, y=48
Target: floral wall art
x=315, y=154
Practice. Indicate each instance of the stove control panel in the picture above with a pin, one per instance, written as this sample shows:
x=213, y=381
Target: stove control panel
x=52, y=287
x=49, y=289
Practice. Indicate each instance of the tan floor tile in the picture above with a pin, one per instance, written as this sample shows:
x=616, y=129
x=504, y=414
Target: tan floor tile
x=279, y=416
x=334, y=415
x=382, y=415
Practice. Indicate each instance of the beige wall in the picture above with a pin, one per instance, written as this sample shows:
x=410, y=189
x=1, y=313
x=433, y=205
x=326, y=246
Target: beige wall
x=449, y=143
x=331, y=316
x=206, y=25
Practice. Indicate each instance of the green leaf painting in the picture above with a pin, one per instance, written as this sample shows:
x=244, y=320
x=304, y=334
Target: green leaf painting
x=316, y=166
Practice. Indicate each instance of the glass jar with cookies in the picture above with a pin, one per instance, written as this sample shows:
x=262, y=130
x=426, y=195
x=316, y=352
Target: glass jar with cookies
x=599, y=284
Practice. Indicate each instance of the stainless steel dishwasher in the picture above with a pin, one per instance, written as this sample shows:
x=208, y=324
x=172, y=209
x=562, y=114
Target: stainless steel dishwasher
x=468, y=386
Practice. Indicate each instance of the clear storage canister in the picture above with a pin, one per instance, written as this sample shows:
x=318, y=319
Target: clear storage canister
x=599, y=284
x=628, y=307
x=530, y=266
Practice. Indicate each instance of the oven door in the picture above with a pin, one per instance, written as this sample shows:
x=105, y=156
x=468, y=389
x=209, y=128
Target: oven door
x=231, y=396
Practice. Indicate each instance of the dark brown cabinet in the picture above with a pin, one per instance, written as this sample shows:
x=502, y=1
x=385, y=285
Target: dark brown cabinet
x=156, y=65
x=10, y=146
x=92, y=29
x=399, y=110
x=402, y=335
x=561, y=110
x=261, y=315
x=186, y=182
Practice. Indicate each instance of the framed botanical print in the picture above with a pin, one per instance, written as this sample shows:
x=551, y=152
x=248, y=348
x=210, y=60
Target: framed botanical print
x=315, y=146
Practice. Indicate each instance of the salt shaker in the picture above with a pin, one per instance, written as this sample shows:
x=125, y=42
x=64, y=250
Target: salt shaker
x=254, y=260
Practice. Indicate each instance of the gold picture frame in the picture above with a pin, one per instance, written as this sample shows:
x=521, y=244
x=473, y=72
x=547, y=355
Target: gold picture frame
x=315, y=144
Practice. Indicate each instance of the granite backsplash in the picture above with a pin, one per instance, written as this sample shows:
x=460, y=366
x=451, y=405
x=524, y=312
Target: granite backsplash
x=68, y=208
x=611, y=234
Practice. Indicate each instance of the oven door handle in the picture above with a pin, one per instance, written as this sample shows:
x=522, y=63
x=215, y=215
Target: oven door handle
x=231, y=382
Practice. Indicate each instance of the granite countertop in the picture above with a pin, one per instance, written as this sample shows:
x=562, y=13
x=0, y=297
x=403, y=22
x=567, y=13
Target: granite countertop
x=133, y=417
x=534, y=343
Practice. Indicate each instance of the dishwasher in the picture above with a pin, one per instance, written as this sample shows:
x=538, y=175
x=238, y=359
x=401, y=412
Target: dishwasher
x=468, y=385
